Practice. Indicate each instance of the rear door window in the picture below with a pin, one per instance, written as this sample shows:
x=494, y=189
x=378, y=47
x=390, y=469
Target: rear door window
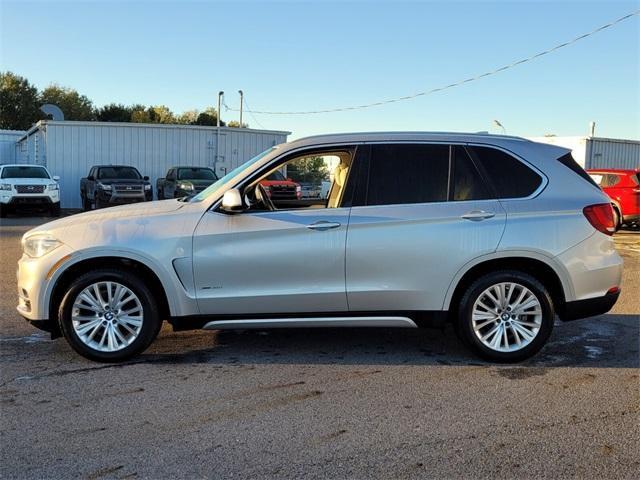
x=408, y=173
x=510, y=177
x=468, y=184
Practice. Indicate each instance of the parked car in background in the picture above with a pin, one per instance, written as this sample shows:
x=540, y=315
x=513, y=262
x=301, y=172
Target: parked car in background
x=28, y=186
x=184, y=181
x=281, y=190
x=109, y=185
x=623, y=188
x=466, y=230
x=310, y=191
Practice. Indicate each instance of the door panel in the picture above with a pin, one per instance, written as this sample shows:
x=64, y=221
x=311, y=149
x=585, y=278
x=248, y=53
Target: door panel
x=271, y=262
x=403, y=257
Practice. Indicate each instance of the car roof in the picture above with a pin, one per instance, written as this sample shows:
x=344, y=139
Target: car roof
x=358, y=137
x=190, y=166
x=117, y=166
x=21, y=165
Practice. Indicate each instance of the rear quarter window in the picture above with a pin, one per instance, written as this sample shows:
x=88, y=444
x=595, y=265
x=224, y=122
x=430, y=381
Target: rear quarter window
x=569, y=162
x=510, y=177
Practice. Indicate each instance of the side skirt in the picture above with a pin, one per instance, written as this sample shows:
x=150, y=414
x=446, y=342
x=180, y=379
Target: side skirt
x=406, y=319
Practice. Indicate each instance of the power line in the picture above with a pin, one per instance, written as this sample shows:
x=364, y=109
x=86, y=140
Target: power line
x=446, y=87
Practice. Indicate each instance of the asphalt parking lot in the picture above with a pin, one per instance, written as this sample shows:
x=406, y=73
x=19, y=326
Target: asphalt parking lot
x=321, y=403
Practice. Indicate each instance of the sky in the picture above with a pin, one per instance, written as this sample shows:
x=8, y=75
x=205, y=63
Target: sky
x=309, y=55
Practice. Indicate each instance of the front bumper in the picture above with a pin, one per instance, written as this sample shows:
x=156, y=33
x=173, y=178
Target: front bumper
x=121, y=198
x=35, y=277
x=29, y=200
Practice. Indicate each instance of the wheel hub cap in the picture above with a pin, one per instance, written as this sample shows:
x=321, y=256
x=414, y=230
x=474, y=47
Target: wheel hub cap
x=107, y=316
x=506, y=317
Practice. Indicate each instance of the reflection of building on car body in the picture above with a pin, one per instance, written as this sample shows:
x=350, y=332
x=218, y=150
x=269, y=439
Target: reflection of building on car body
x=28, y=186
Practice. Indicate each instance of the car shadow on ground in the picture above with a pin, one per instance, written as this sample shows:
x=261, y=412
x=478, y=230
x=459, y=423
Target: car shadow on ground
x=608, y=341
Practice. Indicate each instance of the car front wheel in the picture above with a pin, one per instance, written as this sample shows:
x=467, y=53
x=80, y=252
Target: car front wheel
x=109, y=316
x=506, y=316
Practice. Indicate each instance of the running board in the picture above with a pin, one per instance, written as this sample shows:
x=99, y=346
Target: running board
x=311, y=322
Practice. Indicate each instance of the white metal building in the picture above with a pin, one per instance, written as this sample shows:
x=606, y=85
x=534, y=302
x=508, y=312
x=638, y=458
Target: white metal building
x=68, y=149
x=597, y=152
x=8, y=139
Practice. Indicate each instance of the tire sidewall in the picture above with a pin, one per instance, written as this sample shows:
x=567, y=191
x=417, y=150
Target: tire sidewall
x=465, y=325
x=150, y=325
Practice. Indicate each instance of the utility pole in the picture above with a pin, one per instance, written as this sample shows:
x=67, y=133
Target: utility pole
x=241, y=99
x=220, y=95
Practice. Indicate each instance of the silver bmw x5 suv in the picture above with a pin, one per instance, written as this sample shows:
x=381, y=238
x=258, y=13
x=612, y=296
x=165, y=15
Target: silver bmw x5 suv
x=494, y=234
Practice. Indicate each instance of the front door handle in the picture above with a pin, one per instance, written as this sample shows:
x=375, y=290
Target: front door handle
x=477, y=215
x=323, y=225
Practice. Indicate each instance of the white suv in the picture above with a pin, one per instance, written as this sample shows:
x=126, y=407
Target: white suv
x=28, y=185
x=495, y=234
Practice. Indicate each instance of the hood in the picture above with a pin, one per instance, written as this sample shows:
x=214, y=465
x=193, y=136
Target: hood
x=64, y=226
x=124, y=181
x=28, y=181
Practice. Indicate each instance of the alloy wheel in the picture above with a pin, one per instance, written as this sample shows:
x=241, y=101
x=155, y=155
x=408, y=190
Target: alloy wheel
x=506, y=317
x=107, y=316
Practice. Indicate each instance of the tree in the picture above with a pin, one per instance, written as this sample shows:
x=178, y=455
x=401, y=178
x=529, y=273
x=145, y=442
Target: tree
x=19, y=108
x=208, y=117
x=161, y=114
x=73, y=105
x=188, y=118
x=114, y=112
x=236, y=124
x=308, y=170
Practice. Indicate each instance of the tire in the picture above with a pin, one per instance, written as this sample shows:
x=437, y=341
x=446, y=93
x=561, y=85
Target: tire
x=3, y=211
x=87, y=329
x=526, y=333
x=160, y=194
x=86, y=204
x=54, y=211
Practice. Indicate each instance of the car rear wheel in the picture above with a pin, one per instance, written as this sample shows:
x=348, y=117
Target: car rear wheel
x=109, y=316
x=505, y=316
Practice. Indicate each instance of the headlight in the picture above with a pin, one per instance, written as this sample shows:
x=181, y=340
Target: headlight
x=53, y=186
x=39, y=244
x=106, y=188
x=5, y=186
x=185, y=186
x=147, y=187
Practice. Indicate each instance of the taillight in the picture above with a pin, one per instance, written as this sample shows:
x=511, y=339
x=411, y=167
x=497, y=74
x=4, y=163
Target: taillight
x=601, y=217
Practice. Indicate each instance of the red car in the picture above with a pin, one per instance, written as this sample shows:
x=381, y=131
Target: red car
x=281, y=189
x=623, y=187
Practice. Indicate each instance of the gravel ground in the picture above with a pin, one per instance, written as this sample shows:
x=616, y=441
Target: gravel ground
x=321, y=403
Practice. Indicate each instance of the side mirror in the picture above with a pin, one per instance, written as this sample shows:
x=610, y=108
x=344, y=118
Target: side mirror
x=91, y=178
x=145, y=178
x=232, y=201
x=56, y=178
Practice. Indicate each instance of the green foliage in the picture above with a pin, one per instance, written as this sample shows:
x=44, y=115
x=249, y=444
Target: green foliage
x=73, y=105
x=308, y=170
x=114, y=112
x=236, y=124
x=19, y=107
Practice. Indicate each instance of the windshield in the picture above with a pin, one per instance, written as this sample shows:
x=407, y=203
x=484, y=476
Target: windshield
x=118, y=173
x=196, y=174
x=229, y=176
x=276, y=176
x=24, y=172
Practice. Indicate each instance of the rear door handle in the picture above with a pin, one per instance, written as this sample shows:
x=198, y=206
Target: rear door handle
x=477, y=215
x=323, y=225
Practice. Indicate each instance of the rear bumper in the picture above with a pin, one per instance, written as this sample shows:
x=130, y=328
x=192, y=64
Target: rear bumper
x=632, y=218
x=588, y=308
